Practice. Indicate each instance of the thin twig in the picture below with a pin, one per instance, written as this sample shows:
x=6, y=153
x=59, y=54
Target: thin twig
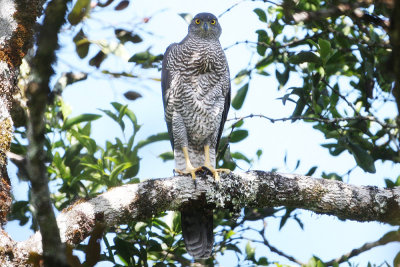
x=340, y=95
x=274, y=249
x=325, y=120
x=387, y=238
x=230, y=8
x=234, y=5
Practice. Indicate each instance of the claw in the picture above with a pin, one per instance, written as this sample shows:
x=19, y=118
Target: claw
x=208, y=165
x=189, y=170
x=216, y=171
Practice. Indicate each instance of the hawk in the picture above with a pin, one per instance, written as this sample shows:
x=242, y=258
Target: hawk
x=196, y=92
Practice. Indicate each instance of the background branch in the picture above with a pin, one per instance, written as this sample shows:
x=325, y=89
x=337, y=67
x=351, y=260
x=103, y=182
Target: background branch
x=318, y=119
x=387, y=238
x=37, y=94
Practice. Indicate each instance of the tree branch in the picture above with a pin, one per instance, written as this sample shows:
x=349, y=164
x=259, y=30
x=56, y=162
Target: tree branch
x=37, y=93
x=318, y=119
x=275, y=250
x=352, y=10
x=387, y=238
x=16, y=31
x=123, y=204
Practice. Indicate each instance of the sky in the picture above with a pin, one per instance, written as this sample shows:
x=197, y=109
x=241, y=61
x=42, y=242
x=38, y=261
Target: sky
x=324, y=236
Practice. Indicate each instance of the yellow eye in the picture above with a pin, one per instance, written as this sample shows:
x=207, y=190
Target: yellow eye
x=213, y=21
x=197, y=21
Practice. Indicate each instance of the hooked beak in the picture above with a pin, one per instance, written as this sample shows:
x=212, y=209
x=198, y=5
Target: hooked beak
x=205, y=26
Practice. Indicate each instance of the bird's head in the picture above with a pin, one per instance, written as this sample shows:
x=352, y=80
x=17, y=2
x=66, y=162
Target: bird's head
x=205, y=25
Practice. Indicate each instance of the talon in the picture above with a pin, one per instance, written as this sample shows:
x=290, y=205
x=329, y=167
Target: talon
x=215, y=171
x=216, y=177
x=189, y=170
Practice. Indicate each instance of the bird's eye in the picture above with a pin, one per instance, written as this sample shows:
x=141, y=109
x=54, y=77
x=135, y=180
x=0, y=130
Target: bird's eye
x=213, y=21
x=197, y=21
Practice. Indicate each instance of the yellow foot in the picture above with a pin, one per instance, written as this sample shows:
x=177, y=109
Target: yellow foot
x=216, y=171
x=189, y=170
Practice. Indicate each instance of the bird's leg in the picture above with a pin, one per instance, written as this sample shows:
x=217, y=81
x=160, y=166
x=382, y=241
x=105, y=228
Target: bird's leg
x=208, y=165
x=189, y=167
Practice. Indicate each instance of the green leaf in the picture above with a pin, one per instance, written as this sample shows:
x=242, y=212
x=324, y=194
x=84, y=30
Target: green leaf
x=127, y=36
x=324, y=48
x=238, y=136
x=229, y=234
x=69, y=122
x=241, y=75
x=234, y=248
x=311, y=171
x=152, y=139
x=153, y=245
x=176, y=222
x=166, y=156
x=124, y=249
x=79, y=11
x=145, y=58
x=299, y=107
x=398, y=181
x=263, y=41
x=140, y=57
x=389, y=183
x=140, y=226
x=315, y=262
x=332, y=176
x=122, y=5
x=160, y=224
x=250, y=251
x=305, y=57
x=97, y=59
x=282, y=77
x=363, y=158
x=132, y=95
x=238, y=155
x=129, y=113
x=262, y=16
x=285, y=217
x=266, y=61
x=310, y=41
x=259, y=153
x=263, y=261
x=19, y=212
x=276, y=28
x=109, y=114
x=81, y=44
x=120, y=168
x=238, y=100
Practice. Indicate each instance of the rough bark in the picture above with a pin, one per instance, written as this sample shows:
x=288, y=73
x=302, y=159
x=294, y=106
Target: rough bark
x=17, y=21
x=123, y=204
x=16, y=35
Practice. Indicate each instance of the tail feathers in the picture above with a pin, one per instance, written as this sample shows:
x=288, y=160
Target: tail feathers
x=197, y=230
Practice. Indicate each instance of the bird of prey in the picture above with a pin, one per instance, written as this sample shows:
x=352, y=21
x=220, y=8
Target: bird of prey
x=196, y=95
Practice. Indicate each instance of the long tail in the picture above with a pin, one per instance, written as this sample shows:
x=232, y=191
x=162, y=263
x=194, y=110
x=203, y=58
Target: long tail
x=197, y=231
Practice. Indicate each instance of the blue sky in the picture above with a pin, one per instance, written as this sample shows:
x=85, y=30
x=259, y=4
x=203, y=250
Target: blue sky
x=324, y=236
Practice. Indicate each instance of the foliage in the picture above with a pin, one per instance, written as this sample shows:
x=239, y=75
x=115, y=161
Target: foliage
x=342, y=60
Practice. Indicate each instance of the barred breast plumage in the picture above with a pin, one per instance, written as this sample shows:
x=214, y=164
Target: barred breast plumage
x=196, y=94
